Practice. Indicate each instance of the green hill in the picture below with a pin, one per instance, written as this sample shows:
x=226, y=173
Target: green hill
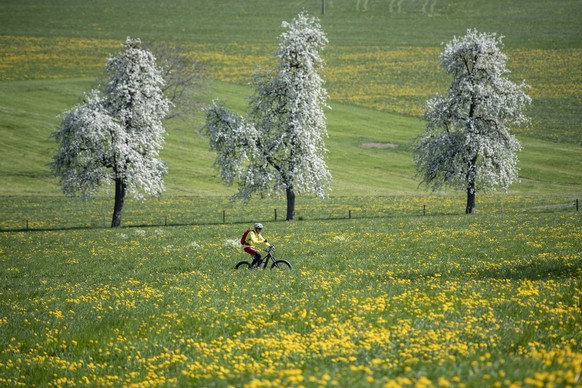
x=382, y=66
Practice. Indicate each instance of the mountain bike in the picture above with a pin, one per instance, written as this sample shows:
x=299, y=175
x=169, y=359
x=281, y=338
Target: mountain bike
x=276, y=263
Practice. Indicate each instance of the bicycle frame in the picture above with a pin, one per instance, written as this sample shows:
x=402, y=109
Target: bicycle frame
x=276, y=263
x=270, y=256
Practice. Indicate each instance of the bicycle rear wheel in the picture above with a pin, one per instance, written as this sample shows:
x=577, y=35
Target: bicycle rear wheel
x=242, y=265
x=281, y=264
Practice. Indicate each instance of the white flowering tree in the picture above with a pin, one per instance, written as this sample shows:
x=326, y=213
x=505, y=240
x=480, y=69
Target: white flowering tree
x=279, y=146
x=116, y=134
x=467, y=143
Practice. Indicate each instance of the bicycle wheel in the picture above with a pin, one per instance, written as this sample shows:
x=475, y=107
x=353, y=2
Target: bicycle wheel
x=243, y=265
x=281, y=264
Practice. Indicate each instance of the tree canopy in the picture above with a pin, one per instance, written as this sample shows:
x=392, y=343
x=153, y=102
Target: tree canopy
x=115, y=135
x=279, y=145
x=467, y=143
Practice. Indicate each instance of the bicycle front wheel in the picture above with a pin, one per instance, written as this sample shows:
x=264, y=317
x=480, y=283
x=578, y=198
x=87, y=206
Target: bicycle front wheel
x=281, y=264
x=243, y=265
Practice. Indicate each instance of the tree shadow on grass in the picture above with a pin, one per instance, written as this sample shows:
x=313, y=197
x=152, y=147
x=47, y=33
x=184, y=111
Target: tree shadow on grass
x=532, y=270
x=546, y=270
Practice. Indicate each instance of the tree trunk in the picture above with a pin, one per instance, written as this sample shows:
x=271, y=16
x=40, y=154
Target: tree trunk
x=290, y=205
x=120, y=188
x=471, y=176
x=470, y=198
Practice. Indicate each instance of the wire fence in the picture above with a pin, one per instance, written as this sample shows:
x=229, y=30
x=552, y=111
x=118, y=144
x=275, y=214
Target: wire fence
x=58, y=213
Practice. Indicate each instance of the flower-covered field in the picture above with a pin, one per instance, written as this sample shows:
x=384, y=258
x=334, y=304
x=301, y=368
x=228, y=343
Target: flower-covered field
x=395, y=291
x=437, y=300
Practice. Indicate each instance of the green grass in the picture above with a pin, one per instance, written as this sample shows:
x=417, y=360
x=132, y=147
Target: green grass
x=387, y=297
x=56, y=213
x=386, y=61
x=382, y=67
x=32, y=112
x=543, y=24
x=406, y=299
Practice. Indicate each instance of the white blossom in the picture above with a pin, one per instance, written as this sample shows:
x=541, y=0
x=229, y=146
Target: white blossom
x=194, y=245
x=235, y=244
x=467, y=143
x=116, y=135
x=279, y=146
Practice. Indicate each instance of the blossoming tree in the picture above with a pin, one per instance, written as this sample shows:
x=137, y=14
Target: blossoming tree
x=467, y=143
x=116, y=134
x=279, y=146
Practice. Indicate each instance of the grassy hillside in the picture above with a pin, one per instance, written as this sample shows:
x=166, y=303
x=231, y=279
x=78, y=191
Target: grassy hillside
x=543, y=24
x=30, y=111
x=382, y=66
x=379, y=58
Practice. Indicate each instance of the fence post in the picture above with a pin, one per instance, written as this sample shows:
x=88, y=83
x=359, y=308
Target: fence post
x=350, y=214
x=224, y=216
x=577, y=204
x=424, y=210
x=275, y=214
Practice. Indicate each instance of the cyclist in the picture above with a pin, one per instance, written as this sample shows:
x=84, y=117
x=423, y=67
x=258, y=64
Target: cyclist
x=253, y=238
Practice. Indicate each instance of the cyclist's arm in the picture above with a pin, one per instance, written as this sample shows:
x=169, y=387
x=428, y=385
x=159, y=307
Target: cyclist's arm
x=254, y=239
x=262, y=240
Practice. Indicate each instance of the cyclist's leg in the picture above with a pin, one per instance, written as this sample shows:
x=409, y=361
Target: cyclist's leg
x=257, y=260
x=255, y=254
x=263, y=262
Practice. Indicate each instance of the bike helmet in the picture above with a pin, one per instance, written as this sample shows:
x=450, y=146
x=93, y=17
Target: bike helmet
x=258, y=225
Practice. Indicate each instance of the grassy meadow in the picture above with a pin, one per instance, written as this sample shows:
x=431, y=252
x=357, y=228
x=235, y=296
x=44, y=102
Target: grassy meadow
x=444, y=300
x=391, y=286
